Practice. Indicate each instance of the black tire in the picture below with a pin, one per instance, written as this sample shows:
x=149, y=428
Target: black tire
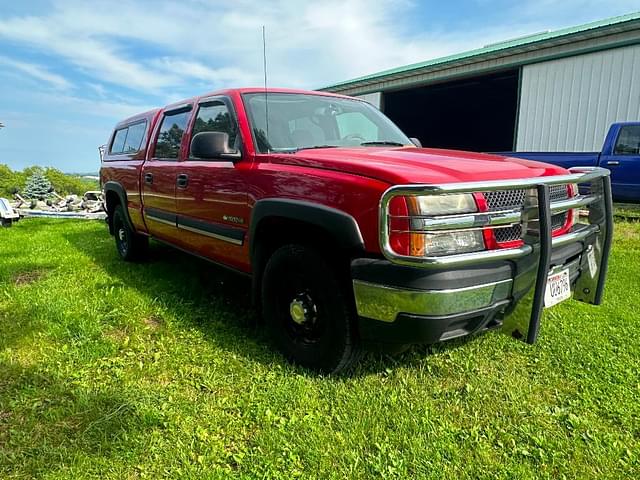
x=130, y=245
x=299, y=283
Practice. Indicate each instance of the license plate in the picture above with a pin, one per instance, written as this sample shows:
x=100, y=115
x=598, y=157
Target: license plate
x=558, y=288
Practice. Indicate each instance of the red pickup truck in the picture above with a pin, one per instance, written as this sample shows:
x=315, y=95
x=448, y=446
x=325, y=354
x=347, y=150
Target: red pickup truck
x=353, y=234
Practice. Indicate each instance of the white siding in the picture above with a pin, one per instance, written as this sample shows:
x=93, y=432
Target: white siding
x=374, y=99
x=568, y=104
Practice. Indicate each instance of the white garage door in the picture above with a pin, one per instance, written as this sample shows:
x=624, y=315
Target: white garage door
x=568, y=104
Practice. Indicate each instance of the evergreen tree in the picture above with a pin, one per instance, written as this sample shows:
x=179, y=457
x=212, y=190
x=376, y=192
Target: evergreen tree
x=37, y=186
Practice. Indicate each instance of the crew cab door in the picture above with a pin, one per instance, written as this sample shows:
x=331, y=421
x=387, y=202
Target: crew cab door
x=624, y=162
x=158, y=177
x=211, y=194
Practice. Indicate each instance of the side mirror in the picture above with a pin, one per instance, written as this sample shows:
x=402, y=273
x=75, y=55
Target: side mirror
x=416, y=142
x=211, y=145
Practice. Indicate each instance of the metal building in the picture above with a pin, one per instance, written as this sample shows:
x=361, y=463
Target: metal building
x=552, y=91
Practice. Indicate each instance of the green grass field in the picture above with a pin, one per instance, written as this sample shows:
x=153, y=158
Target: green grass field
x=114, y=370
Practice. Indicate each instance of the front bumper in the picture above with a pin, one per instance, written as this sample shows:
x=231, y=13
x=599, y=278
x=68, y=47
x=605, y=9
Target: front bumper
x=400, y=304
x=405, y=300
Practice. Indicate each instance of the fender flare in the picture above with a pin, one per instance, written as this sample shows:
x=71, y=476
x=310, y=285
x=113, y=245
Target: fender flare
x=342, y=227
x=119, y=190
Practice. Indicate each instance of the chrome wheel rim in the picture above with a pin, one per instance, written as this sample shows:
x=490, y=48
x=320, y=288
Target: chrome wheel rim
x=303, y=323
x=302, y=309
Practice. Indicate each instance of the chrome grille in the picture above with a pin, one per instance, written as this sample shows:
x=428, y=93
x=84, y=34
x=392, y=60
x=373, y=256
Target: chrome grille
x=557, y=193
x=508, y=234
x=511, y=199
x=504, y=199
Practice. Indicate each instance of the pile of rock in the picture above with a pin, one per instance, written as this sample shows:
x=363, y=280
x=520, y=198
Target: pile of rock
x=90, y=205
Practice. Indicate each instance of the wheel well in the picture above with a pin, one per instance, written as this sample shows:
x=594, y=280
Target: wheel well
x=274, y=232
x=112, y=200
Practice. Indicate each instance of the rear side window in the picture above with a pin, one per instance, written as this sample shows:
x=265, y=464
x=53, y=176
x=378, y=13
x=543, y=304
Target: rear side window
x=628, y=141
x=118, y=141
x=134, y=137
x=170, y=136
x=128, y=139
x=215, y=117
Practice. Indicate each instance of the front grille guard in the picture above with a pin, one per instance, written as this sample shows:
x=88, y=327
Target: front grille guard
x=535, y=217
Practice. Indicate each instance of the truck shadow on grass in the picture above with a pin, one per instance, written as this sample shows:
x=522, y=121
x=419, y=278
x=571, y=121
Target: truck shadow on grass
x=196, y=293
x=218, y=302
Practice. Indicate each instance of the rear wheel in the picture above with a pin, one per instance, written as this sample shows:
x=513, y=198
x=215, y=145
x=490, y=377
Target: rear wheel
x=130, y=245
x=307, y=311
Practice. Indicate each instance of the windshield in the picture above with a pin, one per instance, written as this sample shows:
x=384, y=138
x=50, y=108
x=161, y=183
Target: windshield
x=299, y=121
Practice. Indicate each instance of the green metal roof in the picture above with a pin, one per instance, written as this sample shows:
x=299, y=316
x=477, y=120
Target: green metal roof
x=495, y=47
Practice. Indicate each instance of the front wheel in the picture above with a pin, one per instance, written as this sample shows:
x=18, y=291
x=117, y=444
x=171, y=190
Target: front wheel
x=307, y=312
x=130, y=245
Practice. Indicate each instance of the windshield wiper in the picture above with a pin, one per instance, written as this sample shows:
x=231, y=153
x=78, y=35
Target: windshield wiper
x=297, y=149
x=384, y=142
x=317, y=146
x=282, y=150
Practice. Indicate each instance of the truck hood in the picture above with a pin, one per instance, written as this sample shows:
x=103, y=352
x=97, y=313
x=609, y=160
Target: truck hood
x=418, y=165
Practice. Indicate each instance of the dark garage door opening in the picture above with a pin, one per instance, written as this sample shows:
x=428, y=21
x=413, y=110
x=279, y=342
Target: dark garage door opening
x=477, y=114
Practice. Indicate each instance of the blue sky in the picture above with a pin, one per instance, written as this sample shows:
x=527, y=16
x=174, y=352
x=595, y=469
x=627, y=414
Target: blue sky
x=70, y=69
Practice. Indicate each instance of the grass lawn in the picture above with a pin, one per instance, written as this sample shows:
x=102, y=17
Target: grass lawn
x=627, y=211
x=115, y=370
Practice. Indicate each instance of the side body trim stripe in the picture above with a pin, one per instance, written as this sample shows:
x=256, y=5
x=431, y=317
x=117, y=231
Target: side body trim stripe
x=209, y=229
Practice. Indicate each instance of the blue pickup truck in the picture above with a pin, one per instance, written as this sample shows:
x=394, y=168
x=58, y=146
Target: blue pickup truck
x=620, y=154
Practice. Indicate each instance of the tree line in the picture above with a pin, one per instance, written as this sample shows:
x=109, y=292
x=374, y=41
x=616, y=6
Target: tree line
x=15, y=181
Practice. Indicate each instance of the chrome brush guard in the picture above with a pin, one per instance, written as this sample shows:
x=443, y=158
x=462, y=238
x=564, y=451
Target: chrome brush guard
x=535, y=218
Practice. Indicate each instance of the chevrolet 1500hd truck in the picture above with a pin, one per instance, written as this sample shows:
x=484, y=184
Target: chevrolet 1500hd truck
x=352, y=234
x=620, y=154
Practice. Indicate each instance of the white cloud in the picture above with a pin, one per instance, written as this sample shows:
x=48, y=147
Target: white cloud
x=98, y=89
x=118, y=57
x=37, y=72
x=572, y=12
x=197, y=45
x=215, y=77
x=76, y=45
x=166, y=48
x=110, y=109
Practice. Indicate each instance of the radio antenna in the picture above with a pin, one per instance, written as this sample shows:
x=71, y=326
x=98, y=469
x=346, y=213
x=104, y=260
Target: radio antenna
x=266, y=97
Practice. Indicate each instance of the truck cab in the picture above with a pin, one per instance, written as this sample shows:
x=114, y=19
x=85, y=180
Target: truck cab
x=352, y=234
x=620, y=154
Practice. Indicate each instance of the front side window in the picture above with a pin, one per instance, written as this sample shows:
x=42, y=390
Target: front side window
x=215, y=117
x=298, y=121
x=628, y=141
x=170, y=135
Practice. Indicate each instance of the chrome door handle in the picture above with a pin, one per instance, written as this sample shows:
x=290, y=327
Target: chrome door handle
x=182, y=180
x=148, y=178
x=613, y=162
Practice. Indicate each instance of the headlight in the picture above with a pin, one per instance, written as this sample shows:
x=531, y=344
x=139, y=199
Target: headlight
x=445, y=204
x=452, y=243
x=445, y=243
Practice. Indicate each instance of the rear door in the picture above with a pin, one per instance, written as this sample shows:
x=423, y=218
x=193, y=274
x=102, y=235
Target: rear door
x=211, y=195
x=159, y=173
x=624, y=163
x=123, y=159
